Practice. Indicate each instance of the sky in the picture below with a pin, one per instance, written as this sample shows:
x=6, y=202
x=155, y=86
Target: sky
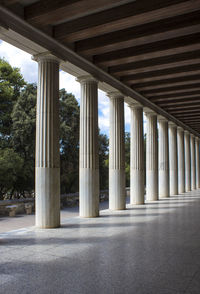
x=29, y=70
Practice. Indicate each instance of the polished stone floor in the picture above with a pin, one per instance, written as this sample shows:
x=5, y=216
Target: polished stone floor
x=149, y=249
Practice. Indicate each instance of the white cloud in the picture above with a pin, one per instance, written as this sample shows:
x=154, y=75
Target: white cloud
x=69, y=83
x=21, y=59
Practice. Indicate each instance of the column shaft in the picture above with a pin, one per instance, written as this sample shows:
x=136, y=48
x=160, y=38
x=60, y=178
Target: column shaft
x=47, y=170
x=163, y=159
x=181, y=162
x=88, y=153
x=173, y=160
x=152, y=158
x=137, y=156
x=187, y=162
x=117, y=194
x=193, y=162
x=197, y=163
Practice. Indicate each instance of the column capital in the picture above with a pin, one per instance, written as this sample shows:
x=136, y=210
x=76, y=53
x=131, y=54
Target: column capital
x=197, y=139
x=192, y=135
x=162, y=118
x=172, y=124
x=115, y=95
x=135, y=105
x=149, y=112
x=86, y=79
x=180, y=129
x=186, y=132
x=46, y=56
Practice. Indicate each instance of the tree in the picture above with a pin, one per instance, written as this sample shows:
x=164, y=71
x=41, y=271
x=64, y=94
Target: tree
x=23, y=136
x=11, y=166
x=11, y=81
x=69, y=142
x=103, y=161
x=127, y=158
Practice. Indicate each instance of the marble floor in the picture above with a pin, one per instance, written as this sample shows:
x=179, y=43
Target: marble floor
x=149, y=249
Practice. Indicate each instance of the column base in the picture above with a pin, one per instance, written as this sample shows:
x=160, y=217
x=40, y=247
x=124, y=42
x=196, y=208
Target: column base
x=47, y=197
x=152, y=186
x=137, y=187
x=117, y=191
x=89, y=192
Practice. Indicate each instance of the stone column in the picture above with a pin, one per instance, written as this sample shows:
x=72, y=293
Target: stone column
x=193, y=162
x=151, y=157
x=88, y=152
x=197, y=163
x=47, y=167
x=117, y=193
x=181, y=161
x=137, y=155
x=173, y=159
x=187, y=162
x=163, y=162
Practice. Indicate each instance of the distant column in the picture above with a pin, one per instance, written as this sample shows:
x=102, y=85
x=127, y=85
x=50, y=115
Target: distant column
x=187, y=162
x=152, y=157
x=197, y=163
x=163, y=162
x=193, y=162
x=88, y=152
x=181, y=160
x=137, y=155
x=117, y=192
x=173, y=160
x=47, y=167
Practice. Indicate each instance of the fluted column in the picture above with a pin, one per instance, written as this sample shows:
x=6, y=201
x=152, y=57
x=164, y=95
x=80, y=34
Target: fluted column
x=187, y=162
x=181, y=160
x=152, y=157
x=193, y=162
x=117, y=195
x=173, y=159
x=88, y=152
x=163, y=162
x=47, y=168
x=197, y=163
x=137, y=156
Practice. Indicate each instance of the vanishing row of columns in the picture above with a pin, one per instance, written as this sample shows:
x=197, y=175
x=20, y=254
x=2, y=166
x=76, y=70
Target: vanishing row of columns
x=170, y=170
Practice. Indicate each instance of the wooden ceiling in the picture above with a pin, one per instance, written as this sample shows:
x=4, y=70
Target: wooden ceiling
x=153, y=46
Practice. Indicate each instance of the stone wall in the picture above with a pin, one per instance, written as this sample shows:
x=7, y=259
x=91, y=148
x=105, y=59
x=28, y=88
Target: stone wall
x=67, y=200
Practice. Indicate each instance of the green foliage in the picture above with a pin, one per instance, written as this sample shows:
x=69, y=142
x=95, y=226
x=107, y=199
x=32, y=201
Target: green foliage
x=11, y=165
x=127, y=158
x=11, y=81
x=23, y=135
x=69, y=138
x=103, y=161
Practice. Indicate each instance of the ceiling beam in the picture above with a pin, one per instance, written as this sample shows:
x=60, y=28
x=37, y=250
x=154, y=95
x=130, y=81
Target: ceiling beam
x=175, y=103
x=144, y=34
x=132, y=14
x=176, y=107
x=157, y=99
x=125, y=55
x=163, y=72
x=181, y=87
x=158, y=61
x=175, y=95
x=165, y=80
x=179, y=92
x=186, y=111
x=51, y=11
x=168, y=85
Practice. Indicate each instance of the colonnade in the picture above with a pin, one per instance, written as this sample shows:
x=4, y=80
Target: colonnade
x=172, y=155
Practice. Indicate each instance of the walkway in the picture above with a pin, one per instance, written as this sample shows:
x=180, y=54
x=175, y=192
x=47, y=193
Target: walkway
x=151, y=249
